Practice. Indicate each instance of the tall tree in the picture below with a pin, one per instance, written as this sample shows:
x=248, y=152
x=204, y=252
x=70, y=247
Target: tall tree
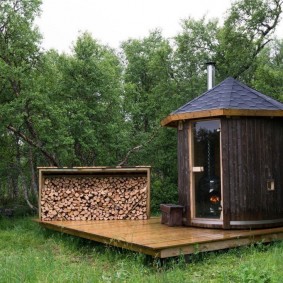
x=149, y=95
x=149, y=83
x=195, y=45
x=235, y=46
x=247, y=30
x=268, y=76
x=92, y=94
x=19, y=57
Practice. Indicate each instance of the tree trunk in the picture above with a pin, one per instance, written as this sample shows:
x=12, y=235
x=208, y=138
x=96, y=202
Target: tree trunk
x=25, y=191
x=34, y=183
x=22, y=176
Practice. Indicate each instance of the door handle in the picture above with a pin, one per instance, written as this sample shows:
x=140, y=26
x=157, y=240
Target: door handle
x=198, y=169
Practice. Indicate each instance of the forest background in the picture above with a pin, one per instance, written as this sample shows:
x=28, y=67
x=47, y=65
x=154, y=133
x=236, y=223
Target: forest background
x=98, y=106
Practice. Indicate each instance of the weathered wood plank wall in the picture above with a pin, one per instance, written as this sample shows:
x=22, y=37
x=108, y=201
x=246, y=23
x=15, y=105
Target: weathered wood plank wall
x=183, y=171
x=252, y=154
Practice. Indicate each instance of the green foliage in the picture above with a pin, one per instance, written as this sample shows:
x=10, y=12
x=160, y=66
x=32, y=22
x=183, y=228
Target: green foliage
x=19, y=57
x=87, y=96
x=268, y=77
x=246, y=31
x=150, y=93
x=149, y=86
x=92, y=85
x=195, y=46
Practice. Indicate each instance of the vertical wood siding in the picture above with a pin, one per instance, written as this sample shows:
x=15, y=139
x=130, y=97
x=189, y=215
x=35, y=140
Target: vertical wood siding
x=225, y=174
x=252, y=153
x=183, y=171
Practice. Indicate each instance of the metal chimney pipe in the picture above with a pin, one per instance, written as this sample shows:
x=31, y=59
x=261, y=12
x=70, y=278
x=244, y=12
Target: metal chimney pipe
x=210, y=75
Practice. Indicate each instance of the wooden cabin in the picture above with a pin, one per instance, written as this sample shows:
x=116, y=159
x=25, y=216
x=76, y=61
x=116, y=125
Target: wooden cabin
x=230, y=158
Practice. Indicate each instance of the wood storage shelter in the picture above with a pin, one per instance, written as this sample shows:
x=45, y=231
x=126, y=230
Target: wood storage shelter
x=230, y=158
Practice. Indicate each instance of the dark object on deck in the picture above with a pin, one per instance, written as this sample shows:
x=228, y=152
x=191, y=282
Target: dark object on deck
x=230, y=158
x=171, y=214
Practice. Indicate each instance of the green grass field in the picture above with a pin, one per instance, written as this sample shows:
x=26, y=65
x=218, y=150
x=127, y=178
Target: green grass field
x=29, y=253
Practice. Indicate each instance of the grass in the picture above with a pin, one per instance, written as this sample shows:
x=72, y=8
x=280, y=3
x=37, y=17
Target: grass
x=29, y=253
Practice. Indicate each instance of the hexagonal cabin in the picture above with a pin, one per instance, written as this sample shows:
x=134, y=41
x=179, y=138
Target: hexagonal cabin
x=230, y=158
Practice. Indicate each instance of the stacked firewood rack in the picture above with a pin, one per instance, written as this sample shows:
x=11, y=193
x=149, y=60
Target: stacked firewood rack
x=94, y=193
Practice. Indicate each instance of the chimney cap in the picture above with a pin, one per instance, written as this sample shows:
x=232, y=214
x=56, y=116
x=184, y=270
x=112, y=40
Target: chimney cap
x=210, y=63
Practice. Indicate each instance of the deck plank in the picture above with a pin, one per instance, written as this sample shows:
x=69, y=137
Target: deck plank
x=153, y=238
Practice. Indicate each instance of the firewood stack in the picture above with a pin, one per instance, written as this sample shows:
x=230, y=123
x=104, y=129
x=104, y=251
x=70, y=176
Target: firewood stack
x=94, y=198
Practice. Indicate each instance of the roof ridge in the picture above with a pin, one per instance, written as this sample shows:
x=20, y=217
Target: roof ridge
x=199, y=96
x=230, y=93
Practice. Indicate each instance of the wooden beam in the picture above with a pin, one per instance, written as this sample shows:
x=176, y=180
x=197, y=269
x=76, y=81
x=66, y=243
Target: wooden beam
x=219, y=245
x=171, y=120
x=152, y=238
x=102, y=239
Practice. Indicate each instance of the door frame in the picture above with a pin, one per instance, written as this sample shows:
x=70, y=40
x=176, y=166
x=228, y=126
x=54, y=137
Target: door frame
x=192, y=170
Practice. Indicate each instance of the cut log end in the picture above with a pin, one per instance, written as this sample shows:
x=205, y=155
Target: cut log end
x=94, y=198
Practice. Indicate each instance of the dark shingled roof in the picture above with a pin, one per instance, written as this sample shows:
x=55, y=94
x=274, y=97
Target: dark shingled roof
x=230, y=94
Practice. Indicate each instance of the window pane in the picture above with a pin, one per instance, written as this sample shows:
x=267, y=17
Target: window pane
x=206, y=142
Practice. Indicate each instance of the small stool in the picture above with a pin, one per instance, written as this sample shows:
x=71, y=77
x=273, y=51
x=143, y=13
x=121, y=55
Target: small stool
x=172, y=214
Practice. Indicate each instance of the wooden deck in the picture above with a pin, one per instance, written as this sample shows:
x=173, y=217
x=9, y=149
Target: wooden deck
x=158, y=240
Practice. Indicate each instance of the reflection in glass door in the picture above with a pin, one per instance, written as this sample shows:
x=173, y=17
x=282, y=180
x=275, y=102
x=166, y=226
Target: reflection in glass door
x=206, y=169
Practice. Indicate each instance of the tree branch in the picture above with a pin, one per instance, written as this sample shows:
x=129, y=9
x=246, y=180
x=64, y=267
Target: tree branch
x=137, y=148
x=264, y=32
x=46, y=154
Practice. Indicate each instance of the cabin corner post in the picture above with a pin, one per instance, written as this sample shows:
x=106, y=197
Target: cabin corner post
x=225, y=177
x=148, y=212
x=183, y=169
x=40, y=184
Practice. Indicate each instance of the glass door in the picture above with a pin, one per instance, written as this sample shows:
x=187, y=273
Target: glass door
x=206, y=172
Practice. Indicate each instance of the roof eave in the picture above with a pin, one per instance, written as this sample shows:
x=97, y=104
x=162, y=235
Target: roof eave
x=171, y=120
